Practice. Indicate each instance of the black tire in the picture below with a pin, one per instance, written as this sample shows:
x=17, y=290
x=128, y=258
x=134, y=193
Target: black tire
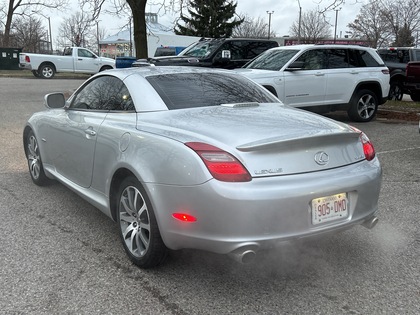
x=138, y=227
x=35, y=73
x=415, y=97
x=36, y=169
x=395, y=91
x=363, y=106
x=46, y=71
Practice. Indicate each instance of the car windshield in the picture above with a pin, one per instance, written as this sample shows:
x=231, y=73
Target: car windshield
x=189, y=90
x=272, y=59
x=200, y=49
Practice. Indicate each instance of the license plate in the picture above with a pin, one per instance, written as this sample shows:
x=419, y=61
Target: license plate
x=329, y=208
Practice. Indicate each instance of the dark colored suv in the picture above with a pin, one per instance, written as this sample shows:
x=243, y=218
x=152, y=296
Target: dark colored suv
x=227, y=53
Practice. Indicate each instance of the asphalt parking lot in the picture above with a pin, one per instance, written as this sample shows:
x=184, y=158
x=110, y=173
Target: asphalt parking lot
x=59, y=255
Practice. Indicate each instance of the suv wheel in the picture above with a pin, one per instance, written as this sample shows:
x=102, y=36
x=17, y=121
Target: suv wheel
x=363, y=106
x=395, y=92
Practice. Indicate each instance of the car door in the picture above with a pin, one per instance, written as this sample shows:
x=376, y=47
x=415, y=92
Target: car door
x=306, y=87
x=86, y=61
x=341, y=76
x=77, y=129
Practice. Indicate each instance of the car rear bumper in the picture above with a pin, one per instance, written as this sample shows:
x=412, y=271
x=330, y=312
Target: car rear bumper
x=25, y=66
x=263, y=212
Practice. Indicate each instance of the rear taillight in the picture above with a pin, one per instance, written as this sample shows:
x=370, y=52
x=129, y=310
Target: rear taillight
x=27, y=59
x=368, y=148
x=221, y=165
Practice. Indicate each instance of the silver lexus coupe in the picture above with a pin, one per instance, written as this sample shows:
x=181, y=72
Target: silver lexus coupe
x=202, y=159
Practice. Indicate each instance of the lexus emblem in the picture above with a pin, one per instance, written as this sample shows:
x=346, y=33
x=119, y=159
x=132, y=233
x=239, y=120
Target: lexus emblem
x=322, y=158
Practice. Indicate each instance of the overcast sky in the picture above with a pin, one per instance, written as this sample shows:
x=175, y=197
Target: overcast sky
x=285, y=12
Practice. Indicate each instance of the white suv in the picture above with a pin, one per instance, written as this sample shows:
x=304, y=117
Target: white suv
x=324, y=78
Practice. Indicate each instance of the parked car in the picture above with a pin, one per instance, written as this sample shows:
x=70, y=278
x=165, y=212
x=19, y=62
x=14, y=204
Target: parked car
x=412, y=80
x=168, y=50
x=397, y=59
x=184, y=157
x=227, y=53
x=324, y=78
x=74, y=59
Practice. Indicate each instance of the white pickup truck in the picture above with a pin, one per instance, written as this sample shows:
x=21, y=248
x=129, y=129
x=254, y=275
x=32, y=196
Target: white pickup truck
x=74, y=59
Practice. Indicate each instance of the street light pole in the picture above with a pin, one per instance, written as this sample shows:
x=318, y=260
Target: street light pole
x=49, y=26
x=300, y=21
x=97, y=37
x=335, y=28
x=269, y=22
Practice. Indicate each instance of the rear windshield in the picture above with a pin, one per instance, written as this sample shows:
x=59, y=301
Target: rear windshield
x=189, y=90
x=272, y=59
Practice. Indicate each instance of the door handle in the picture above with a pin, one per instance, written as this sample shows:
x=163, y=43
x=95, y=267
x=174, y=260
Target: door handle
x=90, y=132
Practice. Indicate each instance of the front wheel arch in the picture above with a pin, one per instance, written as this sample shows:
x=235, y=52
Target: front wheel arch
x=271, y=89
x=103, y=68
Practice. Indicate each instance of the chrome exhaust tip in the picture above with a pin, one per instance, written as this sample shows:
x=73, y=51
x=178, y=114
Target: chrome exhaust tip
x=370, y=223
x=243, y=256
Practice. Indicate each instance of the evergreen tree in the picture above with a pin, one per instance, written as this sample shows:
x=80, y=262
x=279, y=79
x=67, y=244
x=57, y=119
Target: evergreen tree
x=404, y=38
x=209, y=18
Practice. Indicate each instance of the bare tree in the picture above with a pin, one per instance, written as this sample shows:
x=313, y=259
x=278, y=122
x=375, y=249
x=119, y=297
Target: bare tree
x=370, y=25
x=25, y=8
x=400, y=14
x=29, y=34
x=252, y=28
x=313, y=27
x=75, y=30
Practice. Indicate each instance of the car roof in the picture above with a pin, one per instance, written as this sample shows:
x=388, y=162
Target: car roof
x=146, y=71
x=306, y=46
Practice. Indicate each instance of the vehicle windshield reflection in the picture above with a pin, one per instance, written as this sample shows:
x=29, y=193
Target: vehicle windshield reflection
x=200, y=49
x=188, y=90
x=272, y=59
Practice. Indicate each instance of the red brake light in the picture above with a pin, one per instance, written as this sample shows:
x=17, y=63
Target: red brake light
x=27, y=59
x=368, y=148
x=221, y=165
x=184, y=217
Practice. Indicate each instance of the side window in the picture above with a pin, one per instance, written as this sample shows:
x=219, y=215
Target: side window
x=103, y=93
x=236, y=49
x=253, y=49
x=67, y=52
x=365, y=59
x=84, y=53
x=337, y=59
x=313, y=59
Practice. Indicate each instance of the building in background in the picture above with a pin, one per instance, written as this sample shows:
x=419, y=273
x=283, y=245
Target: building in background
x=158, y=35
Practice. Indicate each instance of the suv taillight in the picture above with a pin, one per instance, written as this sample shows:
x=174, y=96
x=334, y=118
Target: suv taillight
x=221, y=165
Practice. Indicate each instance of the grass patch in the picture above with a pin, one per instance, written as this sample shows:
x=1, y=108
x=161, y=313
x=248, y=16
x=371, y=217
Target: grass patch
x=403, y=105
x=28, y=74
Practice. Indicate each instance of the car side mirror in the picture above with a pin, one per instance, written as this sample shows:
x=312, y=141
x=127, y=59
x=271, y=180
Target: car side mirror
x=296, y=65
x=55, y=100
x=223, y=58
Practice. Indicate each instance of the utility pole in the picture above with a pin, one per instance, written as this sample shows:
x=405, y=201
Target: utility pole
x=269, y=22
x=300, y=21
x=335, y=28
